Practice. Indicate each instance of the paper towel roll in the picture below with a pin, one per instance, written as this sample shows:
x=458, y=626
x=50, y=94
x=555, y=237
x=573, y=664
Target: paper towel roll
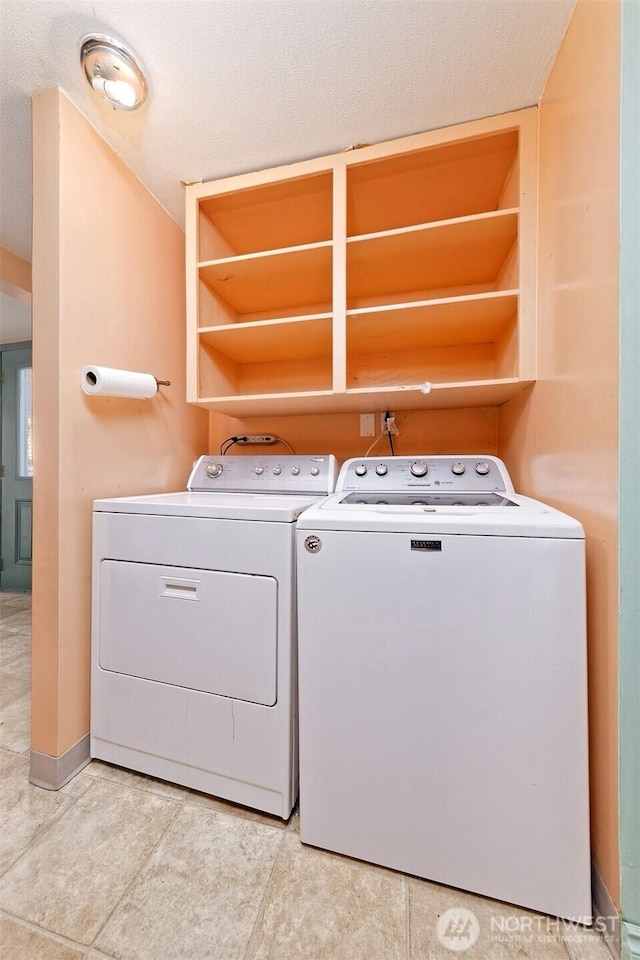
x=108, y=382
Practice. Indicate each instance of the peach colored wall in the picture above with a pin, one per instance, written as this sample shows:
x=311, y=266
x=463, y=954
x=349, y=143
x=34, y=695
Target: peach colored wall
x=108, y=288
x=14, y=271
x=560, y=440
x=430, y=431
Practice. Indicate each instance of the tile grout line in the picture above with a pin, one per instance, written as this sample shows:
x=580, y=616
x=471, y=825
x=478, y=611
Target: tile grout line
x=15, y=756
x=261, y=908
x=14, y=759
x=182, y=801
x=143, y=864
x=232, y=814
x=130, y=786
x=45, y=829
x=56, y=937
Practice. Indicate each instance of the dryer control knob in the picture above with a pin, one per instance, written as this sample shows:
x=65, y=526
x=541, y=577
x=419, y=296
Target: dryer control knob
x=419, y=468
x=458, y=468
x=315, y=471
x=277, y=471
x=382, y=470
x=259, y=470
x=482, y=468
x=295, y=471
x=360, y=470
x=214, y=470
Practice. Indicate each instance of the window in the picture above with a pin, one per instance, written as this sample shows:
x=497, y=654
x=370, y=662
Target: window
x=25, y=423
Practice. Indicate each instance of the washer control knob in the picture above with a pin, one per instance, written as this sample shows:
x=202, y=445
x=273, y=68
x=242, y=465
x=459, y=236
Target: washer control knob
x=259, y=471
x=458, y=468
x=214, y=470
x=419, y=468
x=277, y=471
x=315, y=471
x=295, y=471
x=482, y=468
x=382, y=470
x=360, y=470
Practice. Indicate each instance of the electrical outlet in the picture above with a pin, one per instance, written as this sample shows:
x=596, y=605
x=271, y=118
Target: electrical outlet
x=367, y=424
x=391, y=425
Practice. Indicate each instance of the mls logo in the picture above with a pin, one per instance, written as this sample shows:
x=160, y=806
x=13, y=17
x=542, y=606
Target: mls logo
x=458, y=929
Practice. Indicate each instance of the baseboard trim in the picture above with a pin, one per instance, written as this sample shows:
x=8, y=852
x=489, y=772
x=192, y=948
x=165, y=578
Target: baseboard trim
x=606, y=914
x=51, y=773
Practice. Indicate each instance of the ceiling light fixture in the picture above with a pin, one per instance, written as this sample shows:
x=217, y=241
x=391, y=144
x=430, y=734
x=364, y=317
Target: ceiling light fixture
x=113, y=72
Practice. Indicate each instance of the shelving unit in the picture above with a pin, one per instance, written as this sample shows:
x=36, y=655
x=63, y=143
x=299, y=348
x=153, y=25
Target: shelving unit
x=349, y=282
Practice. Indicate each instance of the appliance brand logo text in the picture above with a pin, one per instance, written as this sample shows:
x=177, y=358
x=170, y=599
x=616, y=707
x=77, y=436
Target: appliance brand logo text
x=426, y=544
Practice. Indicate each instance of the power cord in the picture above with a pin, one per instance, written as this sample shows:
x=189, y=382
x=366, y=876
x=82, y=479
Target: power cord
x=228, y=443
x=287, y=445
x=375, y=443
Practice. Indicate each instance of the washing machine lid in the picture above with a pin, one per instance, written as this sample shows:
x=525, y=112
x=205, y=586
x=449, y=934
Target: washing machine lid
x=281, y=508
x=514, y=516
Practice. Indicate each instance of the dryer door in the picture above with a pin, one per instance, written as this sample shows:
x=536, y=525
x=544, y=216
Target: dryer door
x=203, y=629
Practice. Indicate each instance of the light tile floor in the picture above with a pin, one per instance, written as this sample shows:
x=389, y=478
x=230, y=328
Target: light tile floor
x=119, y=865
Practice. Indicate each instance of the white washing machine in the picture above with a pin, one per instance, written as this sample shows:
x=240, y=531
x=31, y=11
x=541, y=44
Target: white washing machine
x=194, y=628
x=442, y=681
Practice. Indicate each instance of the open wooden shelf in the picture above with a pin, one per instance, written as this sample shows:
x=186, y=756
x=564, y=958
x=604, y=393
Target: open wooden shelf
x=290, y=277
x=270, y=216
x=407, y=365
x=258, y=375
x=278, y=404
x=430, y=323
x=478, y=393
x=483, y=393
x=438, y=183
x=270, y=340
x=471, y=250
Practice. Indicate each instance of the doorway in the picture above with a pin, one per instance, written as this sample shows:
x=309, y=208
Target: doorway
x=16, y=445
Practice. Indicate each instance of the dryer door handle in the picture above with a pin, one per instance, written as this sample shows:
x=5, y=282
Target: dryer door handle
x=179, y=589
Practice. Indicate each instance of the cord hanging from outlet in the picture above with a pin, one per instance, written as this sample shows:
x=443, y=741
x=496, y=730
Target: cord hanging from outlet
x=389, y=425
x=390, y=428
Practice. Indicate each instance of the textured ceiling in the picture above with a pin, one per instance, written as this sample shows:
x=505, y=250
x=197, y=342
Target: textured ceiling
x=238, y=85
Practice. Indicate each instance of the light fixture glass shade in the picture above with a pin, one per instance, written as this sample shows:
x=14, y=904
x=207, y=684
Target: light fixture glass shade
x=113, y=72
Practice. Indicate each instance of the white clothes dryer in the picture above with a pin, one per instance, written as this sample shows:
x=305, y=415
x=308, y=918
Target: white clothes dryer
x=194, y=628
x=442, y=678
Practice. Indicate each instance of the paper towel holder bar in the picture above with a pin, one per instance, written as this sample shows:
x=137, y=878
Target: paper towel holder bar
x=92, y=379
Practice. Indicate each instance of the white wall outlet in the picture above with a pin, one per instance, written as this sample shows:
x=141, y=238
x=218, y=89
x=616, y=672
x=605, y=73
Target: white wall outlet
x=393, y=427
x=367, y=424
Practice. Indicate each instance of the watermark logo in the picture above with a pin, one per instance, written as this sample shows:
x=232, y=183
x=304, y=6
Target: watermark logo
x=458, y=929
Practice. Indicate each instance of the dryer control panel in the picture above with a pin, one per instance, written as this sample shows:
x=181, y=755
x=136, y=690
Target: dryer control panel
x=256, y=474
x=469, y=474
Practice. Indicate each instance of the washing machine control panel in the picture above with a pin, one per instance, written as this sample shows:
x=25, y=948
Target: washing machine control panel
x=455, y=473
x=272, y=474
